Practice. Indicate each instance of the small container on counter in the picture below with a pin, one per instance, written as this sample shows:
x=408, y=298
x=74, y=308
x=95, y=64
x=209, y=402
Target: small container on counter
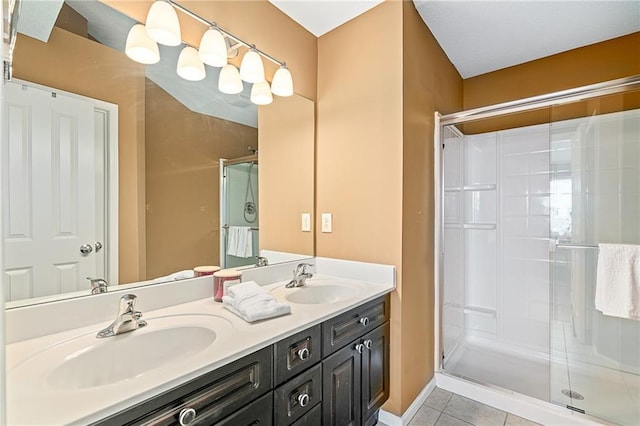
x=201, y=271
x=222, y=278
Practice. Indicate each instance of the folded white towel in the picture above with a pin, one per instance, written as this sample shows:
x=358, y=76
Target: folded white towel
x=618, y=280
x=180, y=275
x=252, y=303
x=239, y=241
x=246, y=289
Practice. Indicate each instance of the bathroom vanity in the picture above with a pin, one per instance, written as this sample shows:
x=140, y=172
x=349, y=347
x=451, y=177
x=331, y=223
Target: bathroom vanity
x=327, y=363
x=334, y=373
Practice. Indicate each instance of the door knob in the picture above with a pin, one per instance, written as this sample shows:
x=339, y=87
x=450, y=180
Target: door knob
x=85, y=249
x=303, y=399
x=98, y=246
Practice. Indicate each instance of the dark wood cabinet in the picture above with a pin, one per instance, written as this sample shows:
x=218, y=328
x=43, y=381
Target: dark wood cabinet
x=375, y=371
x=334, y=373
x=207, y=399
x=341, y=387
x=259, y=412
x=356, y=377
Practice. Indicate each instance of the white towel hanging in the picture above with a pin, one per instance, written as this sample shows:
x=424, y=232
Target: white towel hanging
x=618, y=281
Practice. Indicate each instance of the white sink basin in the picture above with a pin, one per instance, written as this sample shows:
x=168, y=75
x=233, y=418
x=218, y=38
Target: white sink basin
x=86, y=361
x=319, y=294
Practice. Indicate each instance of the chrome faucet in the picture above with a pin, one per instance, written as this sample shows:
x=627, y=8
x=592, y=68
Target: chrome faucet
x=98, y=285
x=300, y=276
x=261, y=261
x=128, y=319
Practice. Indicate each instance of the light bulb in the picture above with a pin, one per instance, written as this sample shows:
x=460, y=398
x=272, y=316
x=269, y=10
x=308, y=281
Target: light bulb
x=251, y=68
x=213, y=48
x=282, y=84
x=229, y=81
x=190, y=67
x=140, y=47
x=261, y=93
x=162, y=24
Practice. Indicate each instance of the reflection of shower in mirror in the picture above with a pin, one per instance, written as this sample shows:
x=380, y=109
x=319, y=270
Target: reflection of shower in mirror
x=239, y=211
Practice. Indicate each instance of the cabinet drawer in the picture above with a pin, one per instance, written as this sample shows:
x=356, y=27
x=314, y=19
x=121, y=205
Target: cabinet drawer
x=345, y=328
x=296, y=353
x=298, y=396
x=213, y=395
x=312, y=418
x=259, y=412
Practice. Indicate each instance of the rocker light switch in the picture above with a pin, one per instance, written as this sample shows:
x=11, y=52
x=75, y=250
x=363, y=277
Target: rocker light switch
x=306, y=222
x=327, y=222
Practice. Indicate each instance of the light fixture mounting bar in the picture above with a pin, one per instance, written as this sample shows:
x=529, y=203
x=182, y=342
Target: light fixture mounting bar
x=223, y=31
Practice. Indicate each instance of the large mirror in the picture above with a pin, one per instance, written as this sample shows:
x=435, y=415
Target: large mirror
x=165, y=174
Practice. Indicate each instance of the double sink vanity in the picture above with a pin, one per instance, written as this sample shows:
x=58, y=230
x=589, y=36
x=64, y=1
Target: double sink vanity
x=197, y=363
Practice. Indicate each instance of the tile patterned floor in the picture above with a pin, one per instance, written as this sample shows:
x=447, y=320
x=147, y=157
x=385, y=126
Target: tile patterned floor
x=444, y=408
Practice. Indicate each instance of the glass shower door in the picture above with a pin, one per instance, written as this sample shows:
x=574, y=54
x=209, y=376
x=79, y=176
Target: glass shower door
x=595, y=199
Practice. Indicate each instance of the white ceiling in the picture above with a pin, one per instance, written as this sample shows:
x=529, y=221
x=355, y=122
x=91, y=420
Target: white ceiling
x=321, y=16
x=482, y=36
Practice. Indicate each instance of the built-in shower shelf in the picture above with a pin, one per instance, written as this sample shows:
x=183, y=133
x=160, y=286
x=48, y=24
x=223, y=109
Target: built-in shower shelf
x=484, y=187
x=482, y=311
x=487, y=226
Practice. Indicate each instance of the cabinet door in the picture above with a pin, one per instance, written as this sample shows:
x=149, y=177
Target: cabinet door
x=259, y=412
x=341, y=381
x=375, y=370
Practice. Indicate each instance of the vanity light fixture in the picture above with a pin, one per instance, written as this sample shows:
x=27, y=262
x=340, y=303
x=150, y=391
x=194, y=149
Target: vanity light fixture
x=251, y=68
x=216, y=46
x=190, y=67
x=261, y=93
x=162, y=24
x=140, y=47
x=213, y=48
x=282, y=84
x=229, y=81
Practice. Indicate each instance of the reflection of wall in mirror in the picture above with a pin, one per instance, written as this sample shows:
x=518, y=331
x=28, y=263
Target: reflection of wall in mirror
x=76, y=64
x=287, y=125
x=182, y=181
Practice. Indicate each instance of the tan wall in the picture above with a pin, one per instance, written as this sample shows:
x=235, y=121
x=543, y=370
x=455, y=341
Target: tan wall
x=609, y=60
x=286, y=174
x=183, y=181
x=75, y=64
x=257, y=22
x=359, y=149
x=430, y=83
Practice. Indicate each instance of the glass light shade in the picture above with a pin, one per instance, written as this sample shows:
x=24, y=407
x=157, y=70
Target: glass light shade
x=229, y=81
x=213, y=48
x=282, y=84
x=251, y=68
x=140, y=47
x=162, y=24
x=190, y=67
x=261, y=93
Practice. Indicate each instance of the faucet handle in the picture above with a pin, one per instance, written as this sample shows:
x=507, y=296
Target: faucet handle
x=127, y=302
x=98, y=285
x=302, y=268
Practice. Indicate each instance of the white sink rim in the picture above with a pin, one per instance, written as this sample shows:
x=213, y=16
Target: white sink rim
x=321, y=294
x=41, y=365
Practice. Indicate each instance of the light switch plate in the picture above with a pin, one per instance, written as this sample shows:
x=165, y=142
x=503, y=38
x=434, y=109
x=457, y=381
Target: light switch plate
x=306, y=222
x=327, y=222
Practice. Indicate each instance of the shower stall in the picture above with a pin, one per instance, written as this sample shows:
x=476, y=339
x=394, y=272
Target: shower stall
x=239, y=223
x=528, y=190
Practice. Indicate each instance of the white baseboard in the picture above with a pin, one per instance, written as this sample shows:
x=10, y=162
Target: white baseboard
x=393, y=420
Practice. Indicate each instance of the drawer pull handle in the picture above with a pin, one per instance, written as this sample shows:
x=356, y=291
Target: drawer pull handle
x=359, y=347
x=303, y=354
x=364, y=321
x=303, y=399
x=187, y=416
x=368, y=343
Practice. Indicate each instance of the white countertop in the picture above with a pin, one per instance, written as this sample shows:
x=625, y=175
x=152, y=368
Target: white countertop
x=32, y=399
